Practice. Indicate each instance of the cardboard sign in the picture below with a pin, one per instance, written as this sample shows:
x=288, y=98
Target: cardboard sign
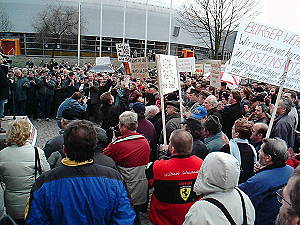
x=167, y=73
x=103, y=61
x=261, y=51
x=186, y=64
x=123, y=52
x=139, y=67
x=215, y=72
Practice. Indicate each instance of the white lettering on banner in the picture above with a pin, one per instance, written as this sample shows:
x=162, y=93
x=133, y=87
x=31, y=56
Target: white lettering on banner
x=103, y=61
x=167, y=73
x=186, y=64
x=261, y=51
x=123, y=52
x=139, y=67
x=215, y=73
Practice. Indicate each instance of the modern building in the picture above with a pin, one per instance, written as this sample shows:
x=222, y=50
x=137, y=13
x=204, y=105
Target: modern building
x=23, y=13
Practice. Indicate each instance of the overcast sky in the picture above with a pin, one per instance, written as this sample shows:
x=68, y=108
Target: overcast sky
x=281, y=13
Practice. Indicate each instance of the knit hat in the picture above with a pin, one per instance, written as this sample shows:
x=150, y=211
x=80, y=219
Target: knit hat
x=199, y=113
x=137, y=107
x=212, y=124
x=193, y=124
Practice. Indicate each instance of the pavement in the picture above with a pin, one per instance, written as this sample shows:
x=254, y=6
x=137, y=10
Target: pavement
x=49, y=129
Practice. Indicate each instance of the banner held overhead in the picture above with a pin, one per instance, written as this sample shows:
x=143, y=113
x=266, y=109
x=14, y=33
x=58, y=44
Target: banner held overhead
x=261, y=51
x=123, y=52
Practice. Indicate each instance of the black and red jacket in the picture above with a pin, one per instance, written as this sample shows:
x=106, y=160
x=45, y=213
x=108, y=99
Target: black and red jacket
x=173, y=180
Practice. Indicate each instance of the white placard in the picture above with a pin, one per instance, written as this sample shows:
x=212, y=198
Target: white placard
x=123, y=52
x=103, y=61
x=167, y=73
x=207, y=68
x=215, y=73
x=139, y=67
x=186, y=64
x=261, y=51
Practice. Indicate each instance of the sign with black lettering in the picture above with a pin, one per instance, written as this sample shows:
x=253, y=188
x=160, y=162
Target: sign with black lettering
x=261, y=51
x=139, y=67
x=123, y=52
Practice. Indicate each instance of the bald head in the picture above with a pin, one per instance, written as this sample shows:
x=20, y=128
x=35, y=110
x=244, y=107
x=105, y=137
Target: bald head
x=181, y=141
x=259, y=132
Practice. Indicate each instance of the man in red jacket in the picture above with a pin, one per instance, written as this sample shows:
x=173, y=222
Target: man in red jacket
x=173, y=180
x=131, y=152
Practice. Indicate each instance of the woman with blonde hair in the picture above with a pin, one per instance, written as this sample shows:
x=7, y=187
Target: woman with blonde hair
x=19, y=163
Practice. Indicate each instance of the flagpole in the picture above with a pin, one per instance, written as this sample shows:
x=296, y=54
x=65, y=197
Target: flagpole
x=170, y=28
x=101, y=16
x=146, y=29
x=79, y=27
x=124, y=20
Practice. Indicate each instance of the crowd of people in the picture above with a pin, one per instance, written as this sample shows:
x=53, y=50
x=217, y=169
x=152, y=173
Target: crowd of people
x=110, y=160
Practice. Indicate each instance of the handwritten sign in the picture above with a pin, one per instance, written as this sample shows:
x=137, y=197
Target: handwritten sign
x=103, y=61
x=215, y=72
x=261, y=51
x=123, y=52
x=186, y=64
x=167, y=73
x=139, y=67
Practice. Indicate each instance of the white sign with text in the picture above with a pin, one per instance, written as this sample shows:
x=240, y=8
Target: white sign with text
x=103, y=61
x=186, y=64
x=167, y=73
x=139, y=67
x=261, y=51
x=215, y=73
x=123, y=52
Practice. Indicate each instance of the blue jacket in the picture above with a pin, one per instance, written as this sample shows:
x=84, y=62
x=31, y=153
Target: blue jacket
x=261, y=189
x=21, y=89
x=70, y=103
x=79, y=194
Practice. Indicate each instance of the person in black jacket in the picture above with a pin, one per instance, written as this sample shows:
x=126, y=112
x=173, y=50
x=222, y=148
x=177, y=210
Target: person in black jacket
x=196, y=129
x=211, y=104
x=4, y=87
x=232, y=112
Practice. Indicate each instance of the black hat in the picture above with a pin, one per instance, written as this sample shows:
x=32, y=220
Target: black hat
x=193, y=124
x=173, y=103
x=212, y=124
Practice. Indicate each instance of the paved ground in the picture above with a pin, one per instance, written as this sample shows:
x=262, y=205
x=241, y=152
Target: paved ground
x=48, y=129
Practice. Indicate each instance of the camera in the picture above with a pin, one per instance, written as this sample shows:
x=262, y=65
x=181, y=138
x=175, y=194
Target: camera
x=116, y=130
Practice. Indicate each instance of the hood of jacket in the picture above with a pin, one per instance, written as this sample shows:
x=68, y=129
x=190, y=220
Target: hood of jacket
x=219, y=172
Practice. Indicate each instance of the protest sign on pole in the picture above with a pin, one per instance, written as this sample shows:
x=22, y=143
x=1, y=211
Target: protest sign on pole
x=123, y=52
x=103, y=61
x=283, y=78
x=168, y=82
x=215, y=73
x=139, y=67
x=186, y=64
x=260, y=53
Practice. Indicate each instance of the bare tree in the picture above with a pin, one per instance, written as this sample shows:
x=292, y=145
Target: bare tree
x=5, y=23
x=213, y=21
x=56, y=22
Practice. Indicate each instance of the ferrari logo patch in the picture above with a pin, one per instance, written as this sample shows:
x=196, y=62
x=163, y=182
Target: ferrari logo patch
x=185, y=192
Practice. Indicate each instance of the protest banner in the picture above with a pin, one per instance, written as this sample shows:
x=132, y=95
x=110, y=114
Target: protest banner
x=168, y=82
x=139, y=67
x=103, y=61
x=123, y=52
x=186, y=64
x=215, y=74
x=261, y=51
x=199, y=69
x=167, y=73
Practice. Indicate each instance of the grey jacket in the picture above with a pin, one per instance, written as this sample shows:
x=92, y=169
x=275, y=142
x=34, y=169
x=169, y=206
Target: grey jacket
x=218, y=177
x=17, y=167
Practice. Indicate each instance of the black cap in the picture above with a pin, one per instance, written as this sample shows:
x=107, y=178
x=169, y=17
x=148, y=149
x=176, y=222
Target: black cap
x=173, y=103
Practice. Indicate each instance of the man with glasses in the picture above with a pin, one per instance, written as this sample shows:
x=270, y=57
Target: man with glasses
x=272, y=175
x=289, y=197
